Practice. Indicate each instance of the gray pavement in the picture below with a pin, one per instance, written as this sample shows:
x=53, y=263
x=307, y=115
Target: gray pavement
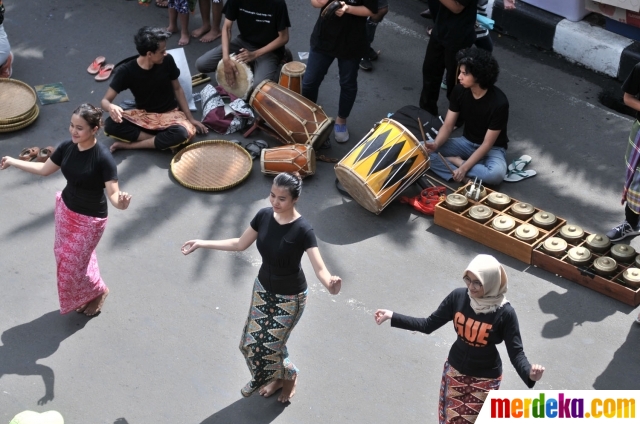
x=165, y=349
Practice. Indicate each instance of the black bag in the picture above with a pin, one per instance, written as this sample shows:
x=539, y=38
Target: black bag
x=408, y=117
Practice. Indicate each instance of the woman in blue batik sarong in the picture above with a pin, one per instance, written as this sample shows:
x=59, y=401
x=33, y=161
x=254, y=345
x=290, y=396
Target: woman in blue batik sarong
x=280, y=290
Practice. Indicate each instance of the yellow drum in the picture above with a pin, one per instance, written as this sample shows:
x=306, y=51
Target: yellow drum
x=385, y=162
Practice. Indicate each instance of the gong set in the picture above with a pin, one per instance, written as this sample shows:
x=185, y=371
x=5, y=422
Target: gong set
x=540, y=238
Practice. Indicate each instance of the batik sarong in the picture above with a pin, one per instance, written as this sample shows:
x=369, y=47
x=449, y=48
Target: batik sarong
x=631, y=193
x=159, y=121
x=462, y=396
x=77, y=236
x=269, y=324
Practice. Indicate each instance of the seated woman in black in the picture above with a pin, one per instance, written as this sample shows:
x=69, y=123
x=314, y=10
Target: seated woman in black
x=483, y=318
x=280, y=291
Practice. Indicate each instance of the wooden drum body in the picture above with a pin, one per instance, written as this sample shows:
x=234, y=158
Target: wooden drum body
x=385, y=162
x=295, y=119
x=291, y=76
x=292, y=158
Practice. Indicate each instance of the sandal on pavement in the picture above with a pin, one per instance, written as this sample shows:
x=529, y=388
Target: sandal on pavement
x=28, y=154
x=45, y=154
x=105, y=72
x=94, y=68
x=255, y=148
x=519, y=164
x=515, y=176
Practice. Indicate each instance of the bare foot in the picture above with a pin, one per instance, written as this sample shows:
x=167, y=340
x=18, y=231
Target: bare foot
x=197, y=33
x=271, y=388
x=456, y=160
x=211, y=36
x=118, y=145
x=184, y=39
x=81, y=308
x=288, y=390
x=172, y=29
x=95, y=305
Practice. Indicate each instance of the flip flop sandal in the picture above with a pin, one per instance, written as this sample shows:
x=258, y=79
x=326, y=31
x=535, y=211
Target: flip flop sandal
x=94, y=68
x=105, y=72
x=255, y=148
x=515, y=176
x=29, y=154
x=519, y=164
x=45, y=154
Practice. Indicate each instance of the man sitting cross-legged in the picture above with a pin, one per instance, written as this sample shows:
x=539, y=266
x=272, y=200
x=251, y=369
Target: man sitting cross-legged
x=481, y=151
x=162, y=119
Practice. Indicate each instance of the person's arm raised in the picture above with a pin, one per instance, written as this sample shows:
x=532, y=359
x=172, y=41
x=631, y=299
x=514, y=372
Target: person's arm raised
x=235, y=244
x=37, y=168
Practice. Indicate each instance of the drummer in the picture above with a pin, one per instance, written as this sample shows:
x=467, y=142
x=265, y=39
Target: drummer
x=481, y=151
x=162, y=119
x=264, y=31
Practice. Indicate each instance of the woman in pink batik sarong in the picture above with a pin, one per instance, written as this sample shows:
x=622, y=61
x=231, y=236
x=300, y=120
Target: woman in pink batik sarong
x=81, y=208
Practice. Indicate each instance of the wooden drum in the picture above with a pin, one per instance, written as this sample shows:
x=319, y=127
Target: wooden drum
x=291, y=76
x=385, y=162
x=295, y=119
x=292, y=158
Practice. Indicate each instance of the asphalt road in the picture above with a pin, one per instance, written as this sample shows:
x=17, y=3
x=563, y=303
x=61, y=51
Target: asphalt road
x=165, y=348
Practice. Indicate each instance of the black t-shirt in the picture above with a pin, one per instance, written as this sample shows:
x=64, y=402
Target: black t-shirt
x=632, y=84
x=456, y=30
x=86, y=172
x=490, y=112
x=281, y=248
x=474, y=352
x=259, y=21
x=343, y=37
x=153, y=88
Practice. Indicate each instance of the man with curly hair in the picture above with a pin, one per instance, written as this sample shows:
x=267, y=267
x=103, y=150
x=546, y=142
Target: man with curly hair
x=481, y=151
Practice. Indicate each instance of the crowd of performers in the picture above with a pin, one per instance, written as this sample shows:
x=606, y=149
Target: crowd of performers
x=480, y=312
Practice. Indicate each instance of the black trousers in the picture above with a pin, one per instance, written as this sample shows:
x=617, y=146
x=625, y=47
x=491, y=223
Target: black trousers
x=438, y=57
x=127, y=131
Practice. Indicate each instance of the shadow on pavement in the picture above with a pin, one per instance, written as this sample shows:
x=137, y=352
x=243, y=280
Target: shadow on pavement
x=254, y=410
x=622, y=372
x=24, y=344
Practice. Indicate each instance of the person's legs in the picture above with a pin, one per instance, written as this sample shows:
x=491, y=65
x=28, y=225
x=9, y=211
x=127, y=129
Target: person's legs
x=124, y=131
x=372, y=25
x=170, y=138
x=184, y=29
x=317, y=66
x=205, y=14
x=173, y=18
x=348, y=70
x=208, y=62
x=432, y=68
x=454, y=147
x=6, y=57
x=492, y=168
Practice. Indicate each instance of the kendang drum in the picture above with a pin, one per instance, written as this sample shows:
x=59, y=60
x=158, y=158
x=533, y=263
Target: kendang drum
x=385, y=162
x=244, y=79
x=294, y=119
x=292, y=158
x=291, y=76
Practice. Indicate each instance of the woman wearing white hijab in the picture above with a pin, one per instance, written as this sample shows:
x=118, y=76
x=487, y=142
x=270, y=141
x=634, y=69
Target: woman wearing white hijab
x=482, y=318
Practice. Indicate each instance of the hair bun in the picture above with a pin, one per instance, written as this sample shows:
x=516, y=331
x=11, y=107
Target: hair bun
x=297, y=175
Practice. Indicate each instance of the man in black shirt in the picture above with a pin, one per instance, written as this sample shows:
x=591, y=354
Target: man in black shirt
x=454, y=30
x=481, y=151
x=264, y=30
x=153, y=80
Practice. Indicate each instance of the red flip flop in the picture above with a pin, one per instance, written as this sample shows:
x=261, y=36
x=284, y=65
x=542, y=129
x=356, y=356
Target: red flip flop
x=94, y=68
x=105, y=72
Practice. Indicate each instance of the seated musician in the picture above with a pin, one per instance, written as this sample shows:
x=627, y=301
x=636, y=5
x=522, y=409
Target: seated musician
x=484, y=108
x=162, y=119
x=264, y=30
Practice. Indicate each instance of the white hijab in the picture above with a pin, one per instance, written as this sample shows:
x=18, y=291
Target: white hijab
x=494, y=281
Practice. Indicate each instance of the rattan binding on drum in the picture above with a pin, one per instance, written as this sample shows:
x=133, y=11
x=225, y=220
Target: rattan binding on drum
x=17, y=100
x=20, y=125
x=211, y=165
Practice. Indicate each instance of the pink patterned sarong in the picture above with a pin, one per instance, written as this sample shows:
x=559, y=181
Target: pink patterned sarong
x=77, y=236
x=159, y=121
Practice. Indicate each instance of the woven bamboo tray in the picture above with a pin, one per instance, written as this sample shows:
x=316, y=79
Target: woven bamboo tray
x=17, y=100
x=28, y=120
x=211, y=165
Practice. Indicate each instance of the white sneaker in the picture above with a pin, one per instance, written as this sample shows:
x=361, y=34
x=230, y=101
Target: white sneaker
x=340, y=133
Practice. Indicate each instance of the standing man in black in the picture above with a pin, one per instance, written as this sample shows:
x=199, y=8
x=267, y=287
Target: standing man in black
x=453, y=31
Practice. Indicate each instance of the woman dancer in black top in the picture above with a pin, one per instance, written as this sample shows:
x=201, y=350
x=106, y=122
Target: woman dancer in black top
x=280, y=290
x=81, y=209
x=482, y=318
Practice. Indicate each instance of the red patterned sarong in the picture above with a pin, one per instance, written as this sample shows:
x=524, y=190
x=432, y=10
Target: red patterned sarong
x=462, y=396
x=159, y=121
x=77, y=236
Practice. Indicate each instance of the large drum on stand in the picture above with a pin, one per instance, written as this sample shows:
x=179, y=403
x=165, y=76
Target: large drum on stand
x=384, y=163
x=294, y=119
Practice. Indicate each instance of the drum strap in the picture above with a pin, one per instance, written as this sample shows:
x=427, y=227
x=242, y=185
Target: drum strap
x=323, y=158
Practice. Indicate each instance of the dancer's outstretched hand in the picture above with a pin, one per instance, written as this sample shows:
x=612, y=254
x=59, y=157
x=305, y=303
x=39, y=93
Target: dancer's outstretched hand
x=190, y=246
x=124, y=199
x=4, y=163
x=381, y=315
x=536, y=372
x=334, y=284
